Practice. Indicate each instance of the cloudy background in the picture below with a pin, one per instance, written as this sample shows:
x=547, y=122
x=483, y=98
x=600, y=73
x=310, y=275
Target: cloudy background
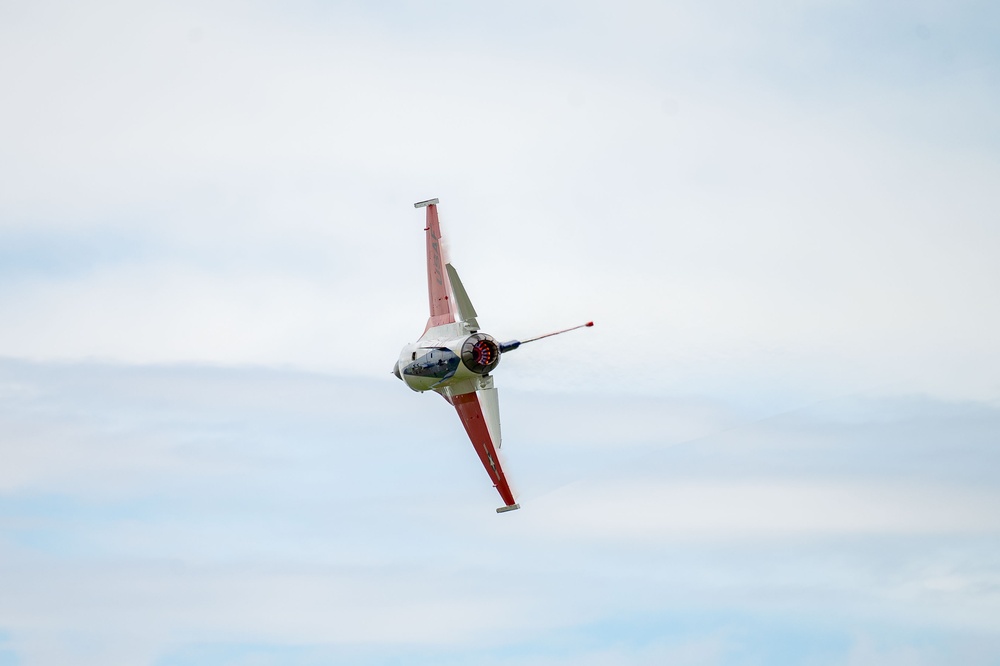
x=779, y=444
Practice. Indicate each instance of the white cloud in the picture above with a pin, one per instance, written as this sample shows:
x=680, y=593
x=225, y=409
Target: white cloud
x=762, y=509
x=745, y=234
x=197, y=505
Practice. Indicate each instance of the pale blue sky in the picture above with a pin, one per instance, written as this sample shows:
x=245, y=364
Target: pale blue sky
x=778, y=445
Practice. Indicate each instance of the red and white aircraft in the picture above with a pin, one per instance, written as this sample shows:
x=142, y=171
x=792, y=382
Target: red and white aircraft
x=455, y=359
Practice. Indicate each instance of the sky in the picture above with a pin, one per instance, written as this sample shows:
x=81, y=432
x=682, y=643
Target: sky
x=779, y=444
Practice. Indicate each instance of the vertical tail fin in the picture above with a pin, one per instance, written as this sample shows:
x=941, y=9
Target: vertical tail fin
x=463, y=305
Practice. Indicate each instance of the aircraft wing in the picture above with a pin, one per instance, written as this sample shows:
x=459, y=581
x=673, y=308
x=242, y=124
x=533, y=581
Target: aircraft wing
x=480, y=414
x=438, y=285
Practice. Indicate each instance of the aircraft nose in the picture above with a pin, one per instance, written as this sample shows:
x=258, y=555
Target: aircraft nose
x=395, y=371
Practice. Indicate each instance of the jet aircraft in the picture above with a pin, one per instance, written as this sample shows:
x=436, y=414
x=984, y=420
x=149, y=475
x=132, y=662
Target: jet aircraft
x=454, y=358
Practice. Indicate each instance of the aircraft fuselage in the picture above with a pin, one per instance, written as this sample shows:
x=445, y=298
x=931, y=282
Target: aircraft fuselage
x=445, y=356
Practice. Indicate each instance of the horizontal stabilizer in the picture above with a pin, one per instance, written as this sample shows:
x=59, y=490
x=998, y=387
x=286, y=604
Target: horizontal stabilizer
x=509, y=507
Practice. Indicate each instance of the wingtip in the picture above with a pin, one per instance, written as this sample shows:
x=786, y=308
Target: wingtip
x=509, y=507
x=421, y=204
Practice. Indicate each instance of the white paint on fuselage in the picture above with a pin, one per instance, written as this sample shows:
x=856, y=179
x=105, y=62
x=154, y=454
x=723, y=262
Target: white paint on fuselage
x=450, y=336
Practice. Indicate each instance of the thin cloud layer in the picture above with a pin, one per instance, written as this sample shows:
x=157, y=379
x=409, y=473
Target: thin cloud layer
x=225, y=512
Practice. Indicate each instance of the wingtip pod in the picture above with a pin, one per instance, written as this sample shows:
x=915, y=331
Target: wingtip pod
x=509, y=507
x=421, y=204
